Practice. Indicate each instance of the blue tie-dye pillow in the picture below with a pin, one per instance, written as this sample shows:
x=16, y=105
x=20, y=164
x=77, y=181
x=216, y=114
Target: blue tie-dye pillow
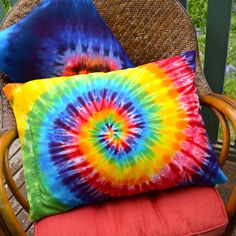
x=60, y=38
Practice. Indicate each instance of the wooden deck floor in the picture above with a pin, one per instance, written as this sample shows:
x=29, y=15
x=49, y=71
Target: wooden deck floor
x=17, y=172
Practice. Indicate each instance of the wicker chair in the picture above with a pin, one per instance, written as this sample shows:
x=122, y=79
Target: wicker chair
x=148, y=30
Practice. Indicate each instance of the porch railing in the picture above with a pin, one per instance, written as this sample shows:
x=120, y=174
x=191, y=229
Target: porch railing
x=217, y=40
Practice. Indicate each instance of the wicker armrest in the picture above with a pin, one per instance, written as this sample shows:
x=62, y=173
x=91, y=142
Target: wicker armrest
x=226, y=107
x=7, y=215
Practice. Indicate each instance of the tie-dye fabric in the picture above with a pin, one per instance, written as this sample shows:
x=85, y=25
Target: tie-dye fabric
x=60, y=38
x=93, y=137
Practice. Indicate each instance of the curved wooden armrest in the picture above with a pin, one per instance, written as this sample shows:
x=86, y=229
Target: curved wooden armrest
x=7, y=214
x=227, y=99
x=225, y=137
x=222, y=105
x=227, y=107
x=12, y=184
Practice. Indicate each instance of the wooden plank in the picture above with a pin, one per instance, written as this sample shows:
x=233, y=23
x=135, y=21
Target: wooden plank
x=15, y=205
x=22, y=215
x=30, y=231
x=15, y=147
x=226, y=189
x=16, y=162
x=19, y=179
x=232, y=153
x=24, y=220
x=217, y=37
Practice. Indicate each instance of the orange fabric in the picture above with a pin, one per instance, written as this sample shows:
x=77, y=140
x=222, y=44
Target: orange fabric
x=178, y=212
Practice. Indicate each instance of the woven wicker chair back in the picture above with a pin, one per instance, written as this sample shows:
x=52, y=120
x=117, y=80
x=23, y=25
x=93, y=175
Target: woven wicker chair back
x=147, y=29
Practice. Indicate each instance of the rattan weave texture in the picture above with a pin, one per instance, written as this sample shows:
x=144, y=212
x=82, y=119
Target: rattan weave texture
x=147, y=29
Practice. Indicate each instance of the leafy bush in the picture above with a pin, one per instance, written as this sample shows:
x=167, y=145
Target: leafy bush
x=6, y=5
x=198, y=12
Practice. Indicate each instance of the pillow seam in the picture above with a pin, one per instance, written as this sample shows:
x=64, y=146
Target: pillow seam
x=35, y=176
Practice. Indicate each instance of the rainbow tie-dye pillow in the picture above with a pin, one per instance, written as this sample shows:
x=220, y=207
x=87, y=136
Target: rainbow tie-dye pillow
x=60, y=38
x=89, y=138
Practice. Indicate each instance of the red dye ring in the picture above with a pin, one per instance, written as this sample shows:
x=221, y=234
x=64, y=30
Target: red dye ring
x=88, y=64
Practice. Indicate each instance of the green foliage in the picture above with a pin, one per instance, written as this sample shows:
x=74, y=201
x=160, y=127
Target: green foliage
x=198, y=12
x=230, y=87
x=230, y=78
x=6, y=5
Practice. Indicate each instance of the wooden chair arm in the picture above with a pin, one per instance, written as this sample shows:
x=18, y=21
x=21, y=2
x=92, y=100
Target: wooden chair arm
x=225, y=136
x=12, y=184
x=227, y=99
x=225, y=106
x=7, y=214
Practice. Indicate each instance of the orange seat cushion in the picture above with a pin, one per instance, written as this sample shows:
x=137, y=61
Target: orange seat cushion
x=184, y=211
